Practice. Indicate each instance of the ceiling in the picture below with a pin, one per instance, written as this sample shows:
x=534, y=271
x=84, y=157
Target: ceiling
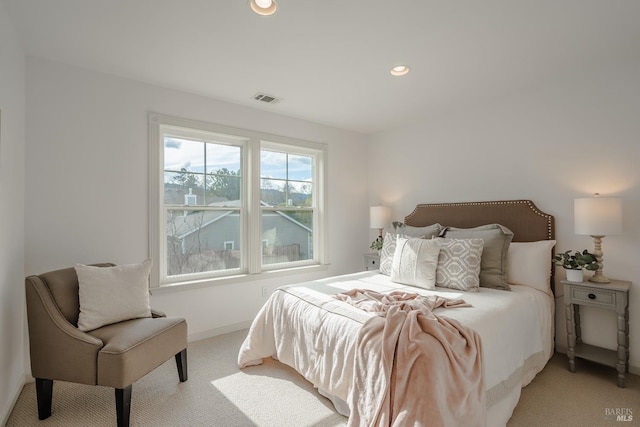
x=330, y=60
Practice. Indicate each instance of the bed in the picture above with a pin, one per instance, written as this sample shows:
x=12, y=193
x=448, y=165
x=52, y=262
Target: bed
x=308, y=327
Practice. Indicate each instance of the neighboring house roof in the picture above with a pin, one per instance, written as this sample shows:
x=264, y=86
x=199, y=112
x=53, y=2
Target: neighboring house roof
x=191, y=223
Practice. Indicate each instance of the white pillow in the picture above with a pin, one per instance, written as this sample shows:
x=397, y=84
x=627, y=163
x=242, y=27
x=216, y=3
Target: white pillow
x=459, y=264
x=112, y=294
x=415, y=262
x=389, y=242
x=529, y=263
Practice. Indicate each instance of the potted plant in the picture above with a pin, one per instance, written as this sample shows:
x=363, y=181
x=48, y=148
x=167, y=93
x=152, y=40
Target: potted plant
x=376, y=245
x=575, y=262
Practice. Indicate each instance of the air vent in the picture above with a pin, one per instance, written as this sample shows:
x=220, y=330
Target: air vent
x=269, y=99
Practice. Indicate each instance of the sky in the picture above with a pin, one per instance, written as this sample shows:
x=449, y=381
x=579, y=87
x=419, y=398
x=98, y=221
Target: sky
x=188, y=154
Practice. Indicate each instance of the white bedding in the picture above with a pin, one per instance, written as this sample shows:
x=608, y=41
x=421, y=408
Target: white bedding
x=303, y=327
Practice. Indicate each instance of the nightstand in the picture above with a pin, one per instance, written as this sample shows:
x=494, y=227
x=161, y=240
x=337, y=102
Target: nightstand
x=371, y=261
x=609, y=296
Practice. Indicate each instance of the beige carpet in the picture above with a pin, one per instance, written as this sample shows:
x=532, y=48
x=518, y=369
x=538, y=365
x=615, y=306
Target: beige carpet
x=273, y=395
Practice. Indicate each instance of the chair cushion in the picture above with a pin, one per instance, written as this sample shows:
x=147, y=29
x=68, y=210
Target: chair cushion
x=135, y=347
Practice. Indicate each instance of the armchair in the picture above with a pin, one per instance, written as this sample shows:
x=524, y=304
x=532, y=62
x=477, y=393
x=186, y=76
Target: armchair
x=115, y=355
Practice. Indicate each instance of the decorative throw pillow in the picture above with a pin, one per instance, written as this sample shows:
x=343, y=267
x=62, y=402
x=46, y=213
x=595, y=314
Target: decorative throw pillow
x=529, y=263
x=389, y=242
x=459, y=264
x=112, y=294
x=387, y=252
x=493, y=271
x=415, y=262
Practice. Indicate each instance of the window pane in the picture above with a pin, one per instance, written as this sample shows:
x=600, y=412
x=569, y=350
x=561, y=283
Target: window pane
x=287, y=236
x=184, y=188
x=223, y=159
x=196, y=241
x=271, y=192
x=224, y=186
x=300, y=167
x=275, y=192
x=300, y=194
x=184, y=154
x=273, y=165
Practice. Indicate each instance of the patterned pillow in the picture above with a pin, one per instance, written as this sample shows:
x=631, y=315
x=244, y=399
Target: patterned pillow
x=497, y=238
x=387, y=252
x=415, y=262
x=389, y=242
x=459, y=264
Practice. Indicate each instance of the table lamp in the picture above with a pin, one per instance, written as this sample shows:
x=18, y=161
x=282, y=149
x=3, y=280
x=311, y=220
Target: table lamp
x=598, y=217
x=379, y=218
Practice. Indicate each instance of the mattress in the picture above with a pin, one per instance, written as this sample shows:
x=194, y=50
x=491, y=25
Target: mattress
x=304, y=327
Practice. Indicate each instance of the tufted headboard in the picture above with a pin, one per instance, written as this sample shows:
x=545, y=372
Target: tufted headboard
x=528, y=223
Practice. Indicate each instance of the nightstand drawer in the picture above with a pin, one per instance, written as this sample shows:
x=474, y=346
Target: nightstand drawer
x=371, y=261
x=593, y=296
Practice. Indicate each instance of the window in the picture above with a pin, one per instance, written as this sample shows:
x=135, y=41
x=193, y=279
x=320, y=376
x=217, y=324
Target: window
x=229, y=202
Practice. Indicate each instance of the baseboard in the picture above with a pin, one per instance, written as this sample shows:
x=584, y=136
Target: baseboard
x=209, y=333
x=635, y=370
x=6, y=411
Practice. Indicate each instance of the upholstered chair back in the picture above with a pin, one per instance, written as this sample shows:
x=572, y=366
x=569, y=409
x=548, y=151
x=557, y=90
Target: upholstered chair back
x=63, y=285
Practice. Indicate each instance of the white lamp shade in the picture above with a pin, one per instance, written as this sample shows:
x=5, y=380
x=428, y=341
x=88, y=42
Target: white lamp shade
x=379, y=216
x=597, y=216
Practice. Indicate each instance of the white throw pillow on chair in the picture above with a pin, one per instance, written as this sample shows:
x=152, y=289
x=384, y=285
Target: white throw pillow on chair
x=112, y=294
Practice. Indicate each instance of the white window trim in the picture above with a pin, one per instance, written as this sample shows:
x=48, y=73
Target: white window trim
x=253, y=268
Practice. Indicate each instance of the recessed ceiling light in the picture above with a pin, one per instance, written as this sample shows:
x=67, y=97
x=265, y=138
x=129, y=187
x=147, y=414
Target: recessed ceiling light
x=399, y=70
x=263, y=7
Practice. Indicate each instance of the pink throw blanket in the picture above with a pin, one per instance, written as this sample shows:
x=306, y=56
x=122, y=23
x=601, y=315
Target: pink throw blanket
x=412, y=367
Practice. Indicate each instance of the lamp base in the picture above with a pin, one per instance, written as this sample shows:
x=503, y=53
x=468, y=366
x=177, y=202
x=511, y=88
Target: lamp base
x=599, y=278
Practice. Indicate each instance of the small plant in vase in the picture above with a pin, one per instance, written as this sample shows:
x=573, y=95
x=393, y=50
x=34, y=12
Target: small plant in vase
x=574, y=262
x=376, y=245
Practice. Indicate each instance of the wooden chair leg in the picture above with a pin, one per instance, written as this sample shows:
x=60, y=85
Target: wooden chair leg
x=123, y=405
x=181, y=362
x=44, y=396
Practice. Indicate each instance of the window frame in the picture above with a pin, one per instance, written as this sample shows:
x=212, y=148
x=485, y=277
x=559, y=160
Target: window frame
x=251, y=241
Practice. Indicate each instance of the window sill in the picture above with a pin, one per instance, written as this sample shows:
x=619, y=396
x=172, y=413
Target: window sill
x=239, y=278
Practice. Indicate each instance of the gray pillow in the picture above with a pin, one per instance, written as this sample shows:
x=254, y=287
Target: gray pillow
x=459, y=264
x=426, y=232
x=497, y=238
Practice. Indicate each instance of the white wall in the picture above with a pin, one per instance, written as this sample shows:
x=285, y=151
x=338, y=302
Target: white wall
x=549, y=144
x=87, y=181
x=12, y=143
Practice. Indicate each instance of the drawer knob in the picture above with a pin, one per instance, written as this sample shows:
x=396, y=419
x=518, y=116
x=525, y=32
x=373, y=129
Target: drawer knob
x=592, y=296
